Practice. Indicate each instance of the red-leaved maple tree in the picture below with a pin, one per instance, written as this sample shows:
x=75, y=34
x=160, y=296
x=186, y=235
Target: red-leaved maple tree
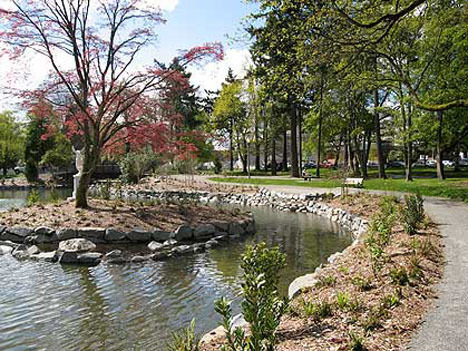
x=92, y=47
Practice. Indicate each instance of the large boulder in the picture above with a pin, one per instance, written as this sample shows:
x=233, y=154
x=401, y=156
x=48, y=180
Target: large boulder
x=16, y=234
x=236, y=229
x=20, y=252
x=221, y=226
x=90, y=258
x=155, y=246
x=161, y=236
x=139, y=235
x=184, y=232
x=43, y=235
x=204, y=231
x=115, y=256
x=4, y=250
x=66, y=234
x=76, y=245
x=113, y=235
x=46, y=256
x=96, y=235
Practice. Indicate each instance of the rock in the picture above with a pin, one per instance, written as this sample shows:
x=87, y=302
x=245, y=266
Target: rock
x=182, y=250
x=46, y=256
x=250, y=228
x=204, y=231
x=16, y=234
x=33, y=250
x=2, y=229
x=139, y=236
x=162, y=236
x=158, y=256
x=66, y=234
x=44, y=230
x=211, y=243
x=96, y=235
x=155, y=246
x=4, y=250
x=306, y=281
x=221, y=237
x=77, y=245
x=184, y=232
x=90, y=258
x=170, y=242
x=112, y=235
x=139, y=259
x=20, y=252
x=236, y=229
x=115, y=256
x=222, y=226
x=68, y=257
x=213, y=335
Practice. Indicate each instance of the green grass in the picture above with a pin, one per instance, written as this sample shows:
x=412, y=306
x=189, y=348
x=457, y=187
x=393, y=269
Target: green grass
x=455, y=187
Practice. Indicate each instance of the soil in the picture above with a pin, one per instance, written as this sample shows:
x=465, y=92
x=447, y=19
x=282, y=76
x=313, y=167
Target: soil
x=382, y=310
x=117, y=214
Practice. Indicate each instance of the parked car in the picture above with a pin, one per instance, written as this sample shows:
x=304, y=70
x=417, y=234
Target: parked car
x=431, y=163
x=464, y=162
x=372, y=164
x=420, y=163
x=310, y=165
x=19, y=169
x=448, y=163
x=396, y=164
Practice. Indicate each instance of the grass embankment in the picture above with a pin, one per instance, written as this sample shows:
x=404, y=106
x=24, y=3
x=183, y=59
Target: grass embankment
x=454, y=187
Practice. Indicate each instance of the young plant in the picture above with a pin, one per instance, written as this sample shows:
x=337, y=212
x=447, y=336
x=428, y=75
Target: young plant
x=316, y=310
x=185, y=340
x=262, y=306
x=327, y=280
x=364, y=284
x=356, y=342
x=399, y=276
x=412, y=213
x=390, y=301
x=33, y=197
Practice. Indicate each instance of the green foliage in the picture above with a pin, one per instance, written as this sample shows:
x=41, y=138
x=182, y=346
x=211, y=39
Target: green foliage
x=316, y=310
x=328, y=280
x=399, y=275
x=390, y=301
x=134, y=164
x=11, y=142
x=185, y=340
x=345, y=303
x=261, y=306
x=33, y=197
x=364, y=284
x=356, y=342
x=60, y=154
x=412, y=213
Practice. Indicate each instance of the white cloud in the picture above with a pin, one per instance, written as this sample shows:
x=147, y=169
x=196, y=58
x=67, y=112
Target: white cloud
x=166, y=5
x=213, y=74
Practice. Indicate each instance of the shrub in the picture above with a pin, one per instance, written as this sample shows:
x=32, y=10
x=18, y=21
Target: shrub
x=317, y=310
x=412, y=213
x=262, y=307
x=362, y=283
x=374, y=319
x=390, y=301
x=399, y=276
x=185, y=340
x=345, y=303
x=33, y=197
x=356, y=342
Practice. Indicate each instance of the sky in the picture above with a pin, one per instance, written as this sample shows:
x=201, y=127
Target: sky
x=189, y=23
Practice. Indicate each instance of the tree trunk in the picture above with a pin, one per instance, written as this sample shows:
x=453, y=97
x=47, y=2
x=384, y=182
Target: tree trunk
x=457, y=158
x=231, y=145
x=319, y=146
x=257, y=144
x=409, y=147
x=273, y=155
x=265, y=146
x=300, y=140
x=294, y=161
x=91, y=158
x=285, y=151
x=346, y=152
x=378, y=136
x=440, y=165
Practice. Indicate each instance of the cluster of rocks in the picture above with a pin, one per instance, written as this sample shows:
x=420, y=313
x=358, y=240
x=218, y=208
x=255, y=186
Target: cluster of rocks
x=77, y=246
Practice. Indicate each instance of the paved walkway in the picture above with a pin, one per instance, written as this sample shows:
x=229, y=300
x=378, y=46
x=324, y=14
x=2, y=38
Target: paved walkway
x=445, y=327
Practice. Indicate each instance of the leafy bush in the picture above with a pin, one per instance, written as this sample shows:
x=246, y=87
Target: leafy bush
x=133, y=165
x=185, y=340
x=399, y=276
x=33, y=197
x=412, y=213
x=262, y=307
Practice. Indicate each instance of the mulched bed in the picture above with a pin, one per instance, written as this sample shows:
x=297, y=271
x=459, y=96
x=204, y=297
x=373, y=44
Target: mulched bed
x=380, y=308
x=117, y=214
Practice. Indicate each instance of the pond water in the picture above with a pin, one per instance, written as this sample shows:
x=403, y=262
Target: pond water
x=46, y=306
x=18, y=198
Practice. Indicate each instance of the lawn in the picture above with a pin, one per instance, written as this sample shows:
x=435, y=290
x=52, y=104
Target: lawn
x=455, y=187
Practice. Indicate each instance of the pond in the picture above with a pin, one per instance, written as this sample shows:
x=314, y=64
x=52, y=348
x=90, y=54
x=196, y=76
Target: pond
x=46, y=306
x=18, y=198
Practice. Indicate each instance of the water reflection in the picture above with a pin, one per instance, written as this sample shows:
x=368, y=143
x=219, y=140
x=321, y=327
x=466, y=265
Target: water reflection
x=135, y=307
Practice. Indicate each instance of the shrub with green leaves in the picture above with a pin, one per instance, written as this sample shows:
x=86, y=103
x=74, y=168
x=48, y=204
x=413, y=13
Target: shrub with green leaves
x=33, y=197
x=399, y=276
x=412, y=213
x=185, y=340
x=262, y=306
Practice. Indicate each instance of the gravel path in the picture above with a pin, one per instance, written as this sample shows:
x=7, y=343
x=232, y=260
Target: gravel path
x=445, y=327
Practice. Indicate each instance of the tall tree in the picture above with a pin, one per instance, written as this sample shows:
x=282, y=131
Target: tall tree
x=11, y=142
